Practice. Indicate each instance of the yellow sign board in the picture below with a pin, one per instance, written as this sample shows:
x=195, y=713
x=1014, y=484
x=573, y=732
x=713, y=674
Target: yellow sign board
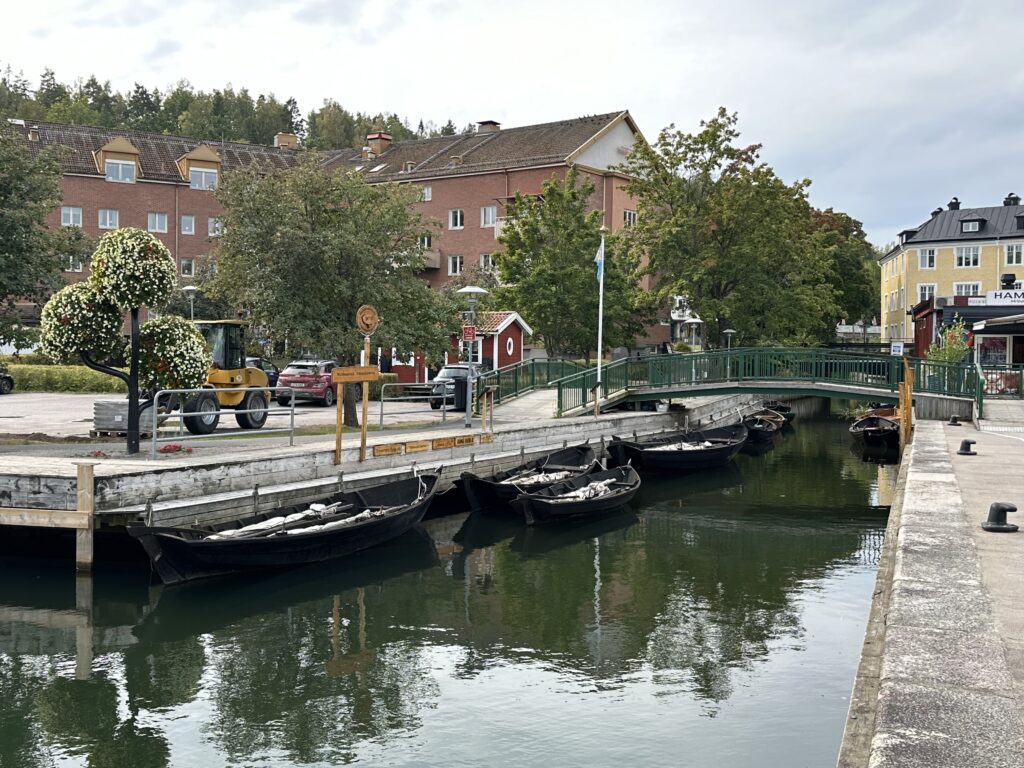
x=354, y=373
x=440, y=443
x=486, y=437
x=465, y=440
x=418, y=446
x=394, y=449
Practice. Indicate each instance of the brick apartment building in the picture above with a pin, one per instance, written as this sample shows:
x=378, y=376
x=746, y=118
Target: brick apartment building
x=116, y=178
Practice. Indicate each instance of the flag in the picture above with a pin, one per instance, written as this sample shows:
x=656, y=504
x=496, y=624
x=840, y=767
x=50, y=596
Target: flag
x=599, y=260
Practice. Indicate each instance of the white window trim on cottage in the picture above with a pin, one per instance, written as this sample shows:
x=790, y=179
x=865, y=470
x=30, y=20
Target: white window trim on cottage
x=108, y=218
x=191, y=228
x=71, y=216
x=456, y=218
x=118, y=171
x=455, y=265
x=156, y=222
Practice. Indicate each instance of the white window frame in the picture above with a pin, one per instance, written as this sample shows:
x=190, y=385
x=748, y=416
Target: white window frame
x=931, y=291
x=959, y=288
x=970, y=226
x=426, y=193
x=214, y=228
x=487, y=262
x=192, y=224
x=903, y=299
x=922, y=255
x=628, y=218
x=961, y=254
x=120, y=177
x=456, y=215
x=1016, y=251
x=456, y=264
x=488, y=216
x=202, y=178
x=426, y=242
x=153, y=222
x=107, y=221
x=191, y=272
x=73, y=265
x=71, y=216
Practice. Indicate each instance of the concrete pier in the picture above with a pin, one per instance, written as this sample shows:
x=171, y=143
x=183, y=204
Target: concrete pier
x=941, y=680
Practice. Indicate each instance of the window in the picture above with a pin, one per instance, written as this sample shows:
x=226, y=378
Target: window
x=968, y=256
x=426, y=241
x=157, y=222
x=455, y=265
x=926, y=258
x=108, y=218
x=903, y=298
x=188, y=267
x=202, y=178
x=966, y=289
x=486, y=262
x=72, y=264
x=122, y=171
x=925, y=291
x=426, y=194
x=70, y=216
x=628, y=218
x=1015, y=254
x=456, y=218
x=488, y=215
x=969, y=226
x=188, y=224
x=214, y=227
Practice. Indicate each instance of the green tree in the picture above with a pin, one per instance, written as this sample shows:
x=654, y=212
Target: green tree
x=720, y=228
x=852, y=259
x=31, y=256
x=303, y=248
x=547, y=269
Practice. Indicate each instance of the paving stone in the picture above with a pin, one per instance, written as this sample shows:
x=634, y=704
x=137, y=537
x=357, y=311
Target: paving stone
x=962, y=607
x=937, y=554
x=973, y=660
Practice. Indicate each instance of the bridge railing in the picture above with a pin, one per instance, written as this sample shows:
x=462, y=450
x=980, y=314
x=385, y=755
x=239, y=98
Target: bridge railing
x=519, y=378
x=763, y=364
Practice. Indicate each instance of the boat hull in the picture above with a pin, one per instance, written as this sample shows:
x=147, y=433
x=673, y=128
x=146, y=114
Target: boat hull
x=490, y=492
x=542, y=507
x=641, y=454
x=184, y=554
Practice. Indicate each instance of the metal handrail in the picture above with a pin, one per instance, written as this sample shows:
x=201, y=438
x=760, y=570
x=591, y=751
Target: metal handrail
x=525, y=376
x=180, y=415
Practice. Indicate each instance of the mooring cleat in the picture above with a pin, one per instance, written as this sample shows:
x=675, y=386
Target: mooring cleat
x=954, y=421
x=965, y=448
x=996, y=522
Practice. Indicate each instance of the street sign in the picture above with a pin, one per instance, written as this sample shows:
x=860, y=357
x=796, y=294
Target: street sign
x=367, y=319
x=469, y=333
x=896, y=348
x=354, y=373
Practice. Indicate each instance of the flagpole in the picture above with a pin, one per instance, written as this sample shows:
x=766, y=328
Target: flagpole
x=600, y=323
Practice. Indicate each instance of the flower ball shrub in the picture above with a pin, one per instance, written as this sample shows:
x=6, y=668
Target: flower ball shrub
x=131, y=268
x=172, y=354
x=76, y=320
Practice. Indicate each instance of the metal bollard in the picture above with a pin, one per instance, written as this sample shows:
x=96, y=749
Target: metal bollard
x=954, y=421
x=965, y=448
x=996, y=522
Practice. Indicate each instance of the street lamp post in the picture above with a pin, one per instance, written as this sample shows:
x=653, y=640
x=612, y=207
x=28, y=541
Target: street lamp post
x=472, y=294
x=729, y=333
x=190, y=291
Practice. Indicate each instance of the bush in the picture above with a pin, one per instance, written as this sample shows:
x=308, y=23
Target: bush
x=385, y=378
x=28, y=358
x=63, y=378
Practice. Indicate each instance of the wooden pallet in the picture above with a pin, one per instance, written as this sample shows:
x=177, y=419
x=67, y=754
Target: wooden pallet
x=114, y=433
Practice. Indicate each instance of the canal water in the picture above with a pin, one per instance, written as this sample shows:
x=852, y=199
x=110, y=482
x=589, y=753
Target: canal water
x=717, y=623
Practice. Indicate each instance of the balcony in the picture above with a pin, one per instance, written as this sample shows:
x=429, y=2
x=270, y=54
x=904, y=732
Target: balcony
x=432, y=259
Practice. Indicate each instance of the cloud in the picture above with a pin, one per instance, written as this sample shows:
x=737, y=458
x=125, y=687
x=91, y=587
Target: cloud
x=163, y=49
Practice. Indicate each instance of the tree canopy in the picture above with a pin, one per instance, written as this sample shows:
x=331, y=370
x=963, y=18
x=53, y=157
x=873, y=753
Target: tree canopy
x=548, y=273
x=746, y=249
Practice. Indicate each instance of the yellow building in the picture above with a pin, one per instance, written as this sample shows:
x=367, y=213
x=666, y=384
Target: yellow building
x=957, y=252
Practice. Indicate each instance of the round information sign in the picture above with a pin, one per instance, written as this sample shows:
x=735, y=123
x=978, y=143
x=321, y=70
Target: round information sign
x=367, y=319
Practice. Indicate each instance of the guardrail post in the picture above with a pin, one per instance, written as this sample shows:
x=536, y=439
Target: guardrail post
x=85, y=503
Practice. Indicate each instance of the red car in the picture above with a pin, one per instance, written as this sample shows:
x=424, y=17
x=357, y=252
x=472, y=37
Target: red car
x=309, y=380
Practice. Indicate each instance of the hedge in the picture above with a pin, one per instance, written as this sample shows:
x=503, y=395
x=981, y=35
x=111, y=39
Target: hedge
x=385, y=378
x=63, y=378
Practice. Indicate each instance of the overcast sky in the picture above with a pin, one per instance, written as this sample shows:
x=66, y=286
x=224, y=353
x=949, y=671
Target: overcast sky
x=890, y=108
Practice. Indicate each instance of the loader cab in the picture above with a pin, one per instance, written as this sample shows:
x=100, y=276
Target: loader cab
x=226, y=340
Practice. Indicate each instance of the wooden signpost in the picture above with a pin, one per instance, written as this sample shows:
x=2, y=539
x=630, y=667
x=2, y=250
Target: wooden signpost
x=367, y=322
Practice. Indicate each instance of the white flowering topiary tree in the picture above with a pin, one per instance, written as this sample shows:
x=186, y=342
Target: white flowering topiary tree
x=130, y=269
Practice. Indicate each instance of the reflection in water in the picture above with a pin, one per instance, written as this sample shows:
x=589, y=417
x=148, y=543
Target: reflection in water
x=701, y=620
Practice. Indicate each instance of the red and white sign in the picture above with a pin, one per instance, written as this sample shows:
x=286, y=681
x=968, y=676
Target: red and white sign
x=469, y=333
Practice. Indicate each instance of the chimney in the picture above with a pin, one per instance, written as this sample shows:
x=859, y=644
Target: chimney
x=286, y=141
x=378, y=142
x=1012, y=199
x=937, y=211
x=367, y=154
x=488, y=126
x=954, y=204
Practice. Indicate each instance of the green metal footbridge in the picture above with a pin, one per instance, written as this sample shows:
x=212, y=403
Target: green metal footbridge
x=791, y=370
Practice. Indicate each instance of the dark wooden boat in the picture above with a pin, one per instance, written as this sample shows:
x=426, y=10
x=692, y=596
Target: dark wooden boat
x=598, y=493
x=503, y=487
x=763, y=426
x=783, y=409
x=342, y=524
x=680, y=451
x=451, y=501
x=877, y=432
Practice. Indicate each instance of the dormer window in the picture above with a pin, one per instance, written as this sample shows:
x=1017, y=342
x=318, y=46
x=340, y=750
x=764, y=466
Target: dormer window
x=969, y=226
x=122, y=171
x=409, y=165
x=202, y=178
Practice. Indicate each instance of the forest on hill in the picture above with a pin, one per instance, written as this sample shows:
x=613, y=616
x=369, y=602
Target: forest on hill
x=224, y=114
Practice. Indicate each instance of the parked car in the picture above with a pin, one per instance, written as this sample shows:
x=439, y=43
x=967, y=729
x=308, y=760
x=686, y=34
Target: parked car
x=309, y=380
x=6, y=382
x=272, y=371
x=446, y=381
